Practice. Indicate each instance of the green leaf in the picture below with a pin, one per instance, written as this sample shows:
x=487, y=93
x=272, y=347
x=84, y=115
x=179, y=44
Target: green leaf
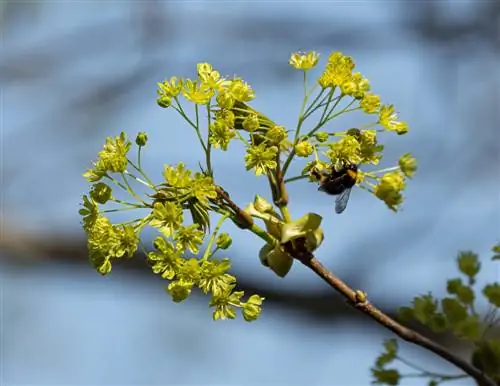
x=468, y=263
x=391, y=346
x=454, y=311
x=486, y=357
x=463, y=292
x=466, y=295
x=424, y=307
x=470, y=328
x=391, y=350
x=438, y=323
x=405, y=314
x=386, y=376
x=492, y=293
x=496, y=251
x=299, y=228
x=453, y=285
x=275, y=258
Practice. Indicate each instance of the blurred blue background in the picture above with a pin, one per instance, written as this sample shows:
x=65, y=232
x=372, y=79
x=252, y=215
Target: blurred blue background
x=73, y=73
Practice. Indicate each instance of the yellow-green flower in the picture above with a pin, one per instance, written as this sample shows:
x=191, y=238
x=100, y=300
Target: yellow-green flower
x=241, y=90
x=225, y=303
x=178, y=177
x=198, y=93
x=180, y=290
x=362, y=85
x=189, y=237
x=276, y=134
x=226, y=116
x=203, y=189
x=101, y=193
x=347, y=150
x=113, y=157
x=388, y=119
x=389, y=189
x=209, y=76
x=103, y=244
x=97, y=172
x=223, y=241
x=252, y=308
x=221, y=134
x=338, y=70
x=89, y=212
x=165, y=260
x=190, y=270
x=214, y=277
x=261, y=158
x=408, y=165
x=170, y=88
x=371, y=151
x=321, y=136
x=251, y=122
x=225, y=100
x=304, y=61
x=127, y=241
x=370, y=103
x=304, y=149
x=167, y=217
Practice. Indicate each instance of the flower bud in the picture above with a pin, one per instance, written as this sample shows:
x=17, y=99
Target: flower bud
x=141, y=139
x=223, y=241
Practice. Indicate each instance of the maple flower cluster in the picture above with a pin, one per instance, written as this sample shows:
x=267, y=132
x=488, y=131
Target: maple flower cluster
x=181, y=206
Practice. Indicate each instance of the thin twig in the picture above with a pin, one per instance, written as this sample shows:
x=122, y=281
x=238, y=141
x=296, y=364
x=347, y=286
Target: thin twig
x=247, y=220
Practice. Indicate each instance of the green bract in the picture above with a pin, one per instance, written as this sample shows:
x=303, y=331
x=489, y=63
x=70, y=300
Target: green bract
x=182, y=207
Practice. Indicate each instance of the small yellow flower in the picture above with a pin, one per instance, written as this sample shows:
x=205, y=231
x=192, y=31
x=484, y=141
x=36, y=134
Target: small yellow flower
x=209, y=76
x=347, y=150
x=276, y=134
x=225, y=100
x=370, y=103
x=240, y=90
x=388, y=119
x=199, y=93
x=304, y=149
x=304, y=61
x=408, y=165
x=338, y=71
x=251, y=122
x=389, y=189
x=170, y=88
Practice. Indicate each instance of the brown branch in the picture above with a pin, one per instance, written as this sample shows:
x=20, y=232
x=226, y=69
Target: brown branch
x=246, y=219
x=407, y=334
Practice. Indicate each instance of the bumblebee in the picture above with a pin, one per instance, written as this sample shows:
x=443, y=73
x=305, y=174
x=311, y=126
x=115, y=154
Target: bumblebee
x=338, y=183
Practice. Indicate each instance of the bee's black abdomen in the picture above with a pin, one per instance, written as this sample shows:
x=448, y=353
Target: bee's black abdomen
x=339, y=183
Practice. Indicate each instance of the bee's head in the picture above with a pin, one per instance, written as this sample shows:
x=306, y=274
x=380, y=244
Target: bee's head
x=352, y=167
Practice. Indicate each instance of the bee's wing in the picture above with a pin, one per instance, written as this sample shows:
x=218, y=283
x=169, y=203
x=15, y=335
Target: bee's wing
x=341, y=201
